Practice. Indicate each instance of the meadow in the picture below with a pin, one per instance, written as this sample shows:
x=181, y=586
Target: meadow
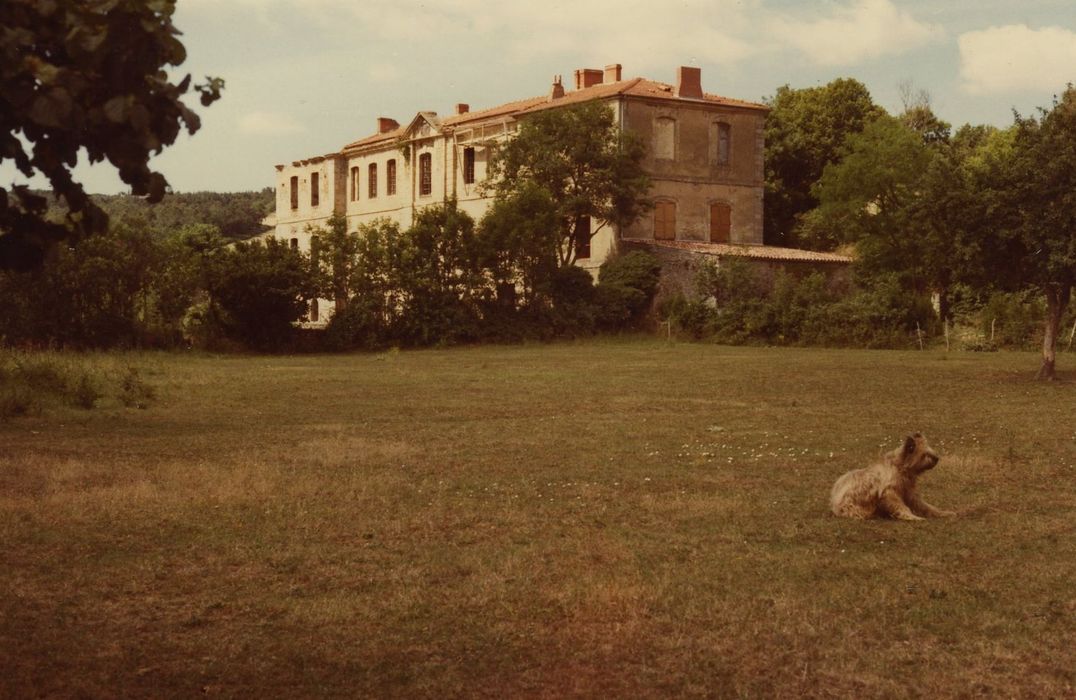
x=627, y=518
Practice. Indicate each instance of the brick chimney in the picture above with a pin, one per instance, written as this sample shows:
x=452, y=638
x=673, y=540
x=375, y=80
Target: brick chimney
x=612, y=73
x=557, y=90
x=586, y=77
x=462, y=108
x=385, y=125
x=689, y=82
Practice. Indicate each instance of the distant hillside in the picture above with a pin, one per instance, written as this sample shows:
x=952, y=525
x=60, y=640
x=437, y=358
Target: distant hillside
x=237, y=214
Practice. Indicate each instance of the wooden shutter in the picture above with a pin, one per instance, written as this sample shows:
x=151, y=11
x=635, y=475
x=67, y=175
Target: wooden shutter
x=720, y=223
x=665, y=221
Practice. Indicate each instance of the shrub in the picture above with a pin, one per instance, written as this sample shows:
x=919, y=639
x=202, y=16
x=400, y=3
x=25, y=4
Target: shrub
x=626, y=287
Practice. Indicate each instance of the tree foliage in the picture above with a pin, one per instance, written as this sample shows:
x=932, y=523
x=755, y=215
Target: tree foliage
x=85, y=74
x=583, y=164
x=806, y=130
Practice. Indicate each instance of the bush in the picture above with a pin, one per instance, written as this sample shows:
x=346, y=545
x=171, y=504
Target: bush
x=626, y=287
x=743, y=304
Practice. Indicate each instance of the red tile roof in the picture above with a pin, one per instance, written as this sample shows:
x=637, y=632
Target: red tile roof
x=757, y=252
x=635, y=87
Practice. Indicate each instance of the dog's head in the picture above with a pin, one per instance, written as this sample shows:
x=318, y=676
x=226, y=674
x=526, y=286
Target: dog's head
x=915, y=456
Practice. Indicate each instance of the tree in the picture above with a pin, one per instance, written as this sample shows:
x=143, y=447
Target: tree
x=1034, y=216
x=85, y=74
x=333, y=252
x=805, y=131
x=261, y=290
x=585, y=165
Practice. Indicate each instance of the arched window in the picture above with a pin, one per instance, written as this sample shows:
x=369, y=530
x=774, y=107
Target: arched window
x=390, y=177
x=665, y=138
x=371, y=180
x=665, y=221
x=720, y=222
x=425, y=174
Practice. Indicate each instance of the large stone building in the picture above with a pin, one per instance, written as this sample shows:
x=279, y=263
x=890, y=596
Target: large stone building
x=704, y=156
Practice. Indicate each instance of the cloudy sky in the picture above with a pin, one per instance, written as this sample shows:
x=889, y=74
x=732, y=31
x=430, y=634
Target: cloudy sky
x=305, y=77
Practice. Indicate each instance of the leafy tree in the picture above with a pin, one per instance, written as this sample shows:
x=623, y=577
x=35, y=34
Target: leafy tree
x=85, y=74
x=439, y=277
x=805, y=131
x=518, y=243
x=333, y=257
x=1033, y=218
x=260, y=289
x=583, y=164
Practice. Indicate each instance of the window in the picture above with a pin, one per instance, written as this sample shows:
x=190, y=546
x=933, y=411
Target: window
x=315, y=250
x=425, y=174
x=294, y=191
x=665, y=138
x=468, y=165
x=314, y=193
x=314, y=310
x=354, y=184
x=720, y=222
x=294, y=243
x=582, y=237
x=724, y=143
x=371, y=180
x=665, y=221
x=390, y=177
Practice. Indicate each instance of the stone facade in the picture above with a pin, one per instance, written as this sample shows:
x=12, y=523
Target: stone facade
x=704, y=158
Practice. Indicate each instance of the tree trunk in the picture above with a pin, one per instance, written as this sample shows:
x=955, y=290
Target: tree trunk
x=1057, y=299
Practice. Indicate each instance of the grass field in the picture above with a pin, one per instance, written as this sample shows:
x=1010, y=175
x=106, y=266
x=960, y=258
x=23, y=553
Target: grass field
x=622, y=518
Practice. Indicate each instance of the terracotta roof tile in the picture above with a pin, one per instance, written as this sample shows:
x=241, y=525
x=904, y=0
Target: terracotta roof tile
x=635, y=87
x=757, y=252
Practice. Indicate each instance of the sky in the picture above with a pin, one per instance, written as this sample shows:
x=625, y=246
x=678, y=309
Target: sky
x=305, y=77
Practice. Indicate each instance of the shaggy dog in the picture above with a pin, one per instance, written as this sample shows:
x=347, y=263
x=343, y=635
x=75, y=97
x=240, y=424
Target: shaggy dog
x=888, y=487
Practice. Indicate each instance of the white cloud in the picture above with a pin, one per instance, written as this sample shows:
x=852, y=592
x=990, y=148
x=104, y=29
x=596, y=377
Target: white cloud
x=1016, y=58
x=864, y=30
x=268, y=124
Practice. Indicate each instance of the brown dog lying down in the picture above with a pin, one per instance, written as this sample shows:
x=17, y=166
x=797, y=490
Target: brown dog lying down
x=888, y=487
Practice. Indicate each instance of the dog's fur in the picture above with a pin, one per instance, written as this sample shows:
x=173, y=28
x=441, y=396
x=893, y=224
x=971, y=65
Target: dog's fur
x=888, y=487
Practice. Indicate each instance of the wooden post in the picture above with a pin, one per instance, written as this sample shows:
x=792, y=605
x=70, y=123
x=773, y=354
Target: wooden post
x=946, y=335
x=992, y=322
x=1071, y=334
x=919, y=334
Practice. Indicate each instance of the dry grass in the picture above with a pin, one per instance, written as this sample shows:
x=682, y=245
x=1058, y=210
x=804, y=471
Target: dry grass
x=619, y=518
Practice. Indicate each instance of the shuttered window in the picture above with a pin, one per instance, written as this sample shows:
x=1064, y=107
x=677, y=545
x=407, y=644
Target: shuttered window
x=724, y=143
x=294, y=184
x=720, y=223
x=390, y=177
x=371, y=180
x=315, y=191
x=665, y=221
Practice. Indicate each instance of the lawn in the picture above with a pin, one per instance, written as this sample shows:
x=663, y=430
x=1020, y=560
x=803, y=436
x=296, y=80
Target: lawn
x=618, y=518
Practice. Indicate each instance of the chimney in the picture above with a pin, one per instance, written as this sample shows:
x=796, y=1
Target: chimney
x=612, y=73
x=385, y=125
x=462, y=108
x=689, y=82
x=557, y=91
x=585, y=77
